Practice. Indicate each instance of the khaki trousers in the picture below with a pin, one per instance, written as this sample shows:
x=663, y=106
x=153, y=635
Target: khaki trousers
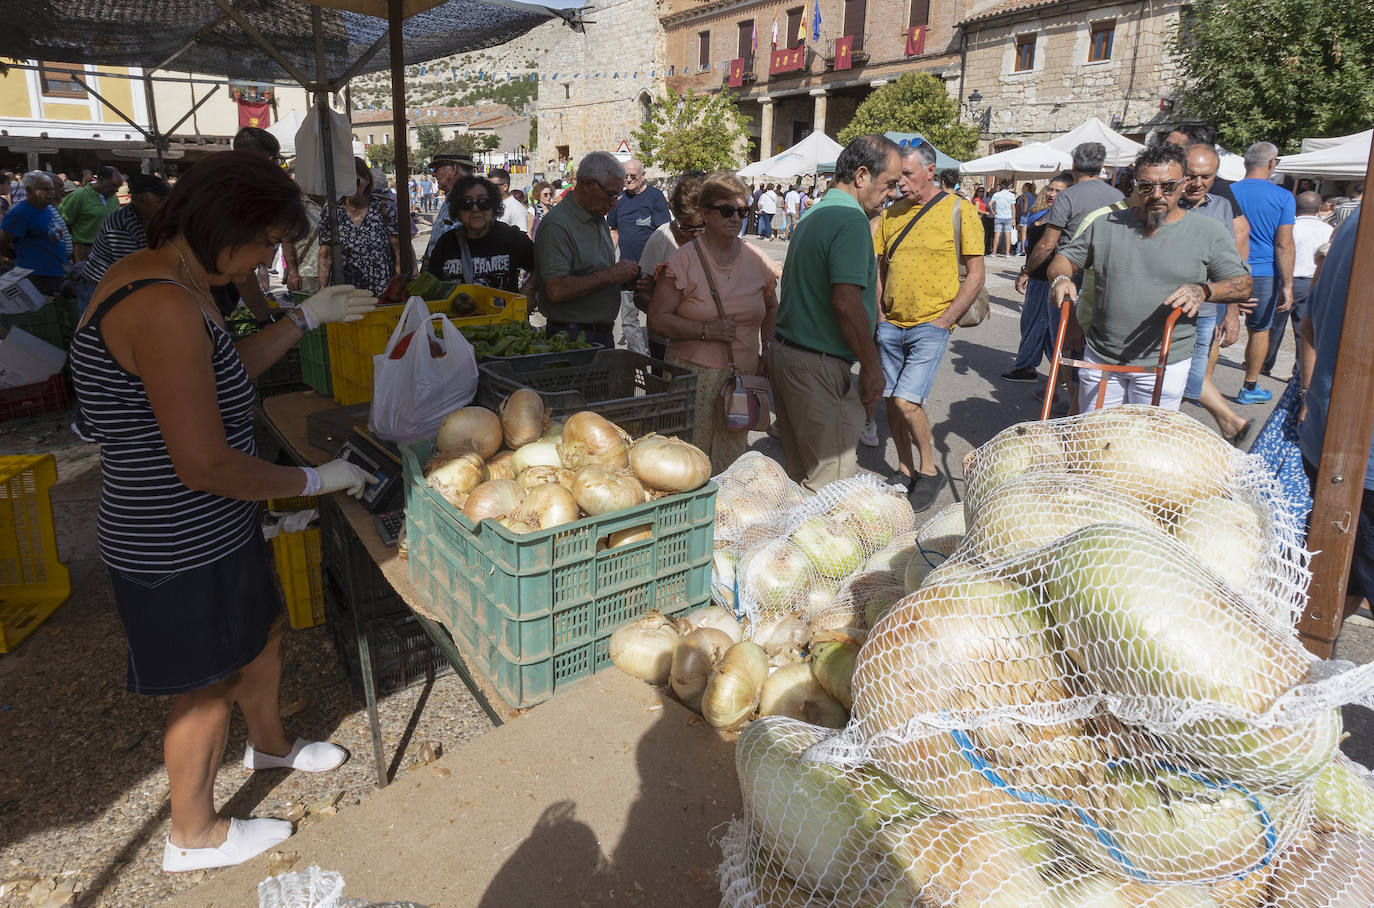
x=820, y=416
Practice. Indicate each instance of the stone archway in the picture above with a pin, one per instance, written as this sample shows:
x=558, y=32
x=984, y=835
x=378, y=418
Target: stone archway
x=646, y=106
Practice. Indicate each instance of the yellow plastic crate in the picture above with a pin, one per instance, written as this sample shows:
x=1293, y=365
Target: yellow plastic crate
x=33, y=582
x=298, y=567
x=352, y=345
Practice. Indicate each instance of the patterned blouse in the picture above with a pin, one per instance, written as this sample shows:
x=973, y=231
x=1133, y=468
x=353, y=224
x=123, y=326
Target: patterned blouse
x=366, y=248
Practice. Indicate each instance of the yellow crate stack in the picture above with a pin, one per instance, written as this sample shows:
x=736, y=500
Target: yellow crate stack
x=298, y=566
x=33, y=582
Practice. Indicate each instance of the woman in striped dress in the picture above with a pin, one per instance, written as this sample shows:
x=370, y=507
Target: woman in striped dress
x=169, y=397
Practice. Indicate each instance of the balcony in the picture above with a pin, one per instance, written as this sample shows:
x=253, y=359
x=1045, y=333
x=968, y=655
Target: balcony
x=857, y=58
x=748, y=77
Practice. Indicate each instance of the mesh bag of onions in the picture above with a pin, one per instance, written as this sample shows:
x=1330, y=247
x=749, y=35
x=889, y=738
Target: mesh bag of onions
x=1092, y=695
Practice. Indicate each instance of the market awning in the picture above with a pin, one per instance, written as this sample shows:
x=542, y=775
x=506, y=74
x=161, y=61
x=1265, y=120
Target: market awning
x=942, y=160
x=1345, y=161
x=1317, y=144
x=1037, y=160
x=810, y=155
x=1121, y=151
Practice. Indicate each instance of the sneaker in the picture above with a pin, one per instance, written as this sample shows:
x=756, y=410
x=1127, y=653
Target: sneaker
x=870, y=434
x=924, y=490
x=1023, y=374
x=1254, y=396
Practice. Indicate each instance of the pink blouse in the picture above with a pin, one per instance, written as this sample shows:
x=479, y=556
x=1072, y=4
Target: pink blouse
x=742, y=289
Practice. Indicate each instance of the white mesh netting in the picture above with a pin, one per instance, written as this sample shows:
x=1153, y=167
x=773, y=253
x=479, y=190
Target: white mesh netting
x=1098, y=699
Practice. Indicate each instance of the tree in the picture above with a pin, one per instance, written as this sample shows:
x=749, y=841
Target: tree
x=427, y=138
x=1277, y=70
x=460, y=144
x=491, y=142
x=693, y=132
x=534, y=133
x=917, y=102
x=383, y=155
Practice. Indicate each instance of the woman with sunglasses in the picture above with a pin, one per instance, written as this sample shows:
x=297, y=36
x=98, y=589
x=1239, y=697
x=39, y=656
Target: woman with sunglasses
x=484, y=250
x=684, y=311
x=686, y=225
x=367, y=237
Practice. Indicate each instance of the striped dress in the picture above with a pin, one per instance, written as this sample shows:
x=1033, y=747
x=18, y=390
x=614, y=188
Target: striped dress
x=149, y=522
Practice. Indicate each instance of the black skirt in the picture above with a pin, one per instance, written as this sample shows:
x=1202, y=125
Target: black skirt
x=190, y=629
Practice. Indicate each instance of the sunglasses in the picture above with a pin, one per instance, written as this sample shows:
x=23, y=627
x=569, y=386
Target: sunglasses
x=728, y=211
x=1168, y=187
x=692, y=228
x=467, y=204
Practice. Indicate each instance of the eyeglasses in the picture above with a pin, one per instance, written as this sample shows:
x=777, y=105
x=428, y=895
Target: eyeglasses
x=467, y=204
x=728, y=211
x=1167, y=187
x=692, y=228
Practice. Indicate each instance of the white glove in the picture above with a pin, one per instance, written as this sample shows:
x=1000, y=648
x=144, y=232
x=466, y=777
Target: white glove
x=340, y=303
x=342, y=476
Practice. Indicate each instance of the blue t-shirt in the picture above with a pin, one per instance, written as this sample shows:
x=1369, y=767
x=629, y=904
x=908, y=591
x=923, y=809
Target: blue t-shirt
x=1326, y=308
x=1267, y=207
x=39, y=238
x=636, y=217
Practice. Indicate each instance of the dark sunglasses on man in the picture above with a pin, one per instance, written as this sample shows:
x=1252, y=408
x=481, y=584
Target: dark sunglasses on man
x=1167, y=187
x=482, y=204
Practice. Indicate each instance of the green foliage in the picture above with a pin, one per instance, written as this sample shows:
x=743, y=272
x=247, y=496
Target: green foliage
x=515, y=94
x=693, y=132
x=459, y=144
x=383, y=155
x=917, y=102
x=491, y=142
x=534, y=134
x=1277, y=70
x=427, y=138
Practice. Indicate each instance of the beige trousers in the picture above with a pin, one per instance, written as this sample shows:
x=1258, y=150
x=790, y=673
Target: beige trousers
x=820, y=416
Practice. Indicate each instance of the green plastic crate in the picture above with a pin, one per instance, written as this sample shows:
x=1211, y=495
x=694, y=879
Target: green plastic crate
x=43, y=323
x=282, y=377
x=536, y=610
x=314, y=351
x=68, y=316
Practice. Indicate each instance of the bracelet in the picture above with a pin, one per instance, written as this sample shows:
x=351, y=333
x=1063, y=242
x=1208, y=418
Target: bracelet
x=300, y=317
x=312, y=481
x=1057, y=278
x=703, y=330
x=1206, y=291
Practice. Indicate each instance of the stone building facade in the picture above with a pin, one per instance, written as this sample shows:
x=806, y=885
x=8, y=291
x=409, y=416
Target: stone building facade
x=597, y=86
x=1041, y=67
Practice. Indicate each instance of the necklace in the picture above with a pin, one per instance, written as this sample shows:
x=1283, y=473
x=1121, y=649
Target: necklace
x=727, y=270
x=194, y=281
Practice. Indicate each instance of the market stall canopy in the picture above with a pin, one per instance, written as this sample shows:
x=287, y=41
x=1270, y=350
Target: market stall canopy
x=1317, y=144
x=203, y=36
x=942, y=160
x=285, y=132
x=1121, y=151
x=807, y=156
x=1036, y=160
x=1230, y=166
x=1346, y=161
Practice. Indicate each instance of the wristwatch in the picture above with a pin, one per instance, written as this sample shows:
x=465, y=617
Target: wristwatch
x=297, y=316
x=1206, y=291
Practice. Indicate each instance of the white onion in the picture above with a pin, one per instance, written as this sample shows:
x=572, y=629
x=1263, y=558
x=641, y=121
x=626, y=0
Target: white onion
x=474, y=429
x=793, y=691
x=536, y=454
x=600, y=491
x=628, y=537
x=454, y=477
x=692, y=661
x=494, y=498
x=590, y=439
x=523, y=417
x=717, y=617
x=500, y=466
x=528, y=479
x=777, y=575
x=669, y=464
x=779, y=632
x=644, y=648
x=1012, y=453
x=732, y=693
x=553, y=433
x=874, y=516
x=832, y=548
x=833, y=665
x=548, y=505
x=1225, y=534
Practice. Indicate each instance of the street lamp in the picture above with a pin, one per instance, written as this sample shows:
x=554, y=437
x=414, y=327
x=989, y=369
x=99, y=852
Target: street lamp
x=982, y=116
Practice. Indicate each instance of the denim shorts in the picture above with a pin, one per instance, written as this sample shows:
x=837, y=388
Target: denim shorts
x=1266, y=290
x=1208, y=320
x=910, y=358
x=1004, y=225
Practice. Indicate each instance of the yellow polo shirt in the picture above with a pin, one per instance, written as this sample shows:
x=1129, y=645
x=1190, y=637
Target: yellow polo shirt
x=923, y=278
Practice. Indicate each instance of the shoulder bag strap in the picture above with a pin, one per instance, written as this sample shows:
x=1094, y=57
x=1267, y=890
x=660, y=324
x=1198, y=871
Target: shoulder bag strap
x=892, y=250
x=467, y=257
x=958, y=234
x=715, y=295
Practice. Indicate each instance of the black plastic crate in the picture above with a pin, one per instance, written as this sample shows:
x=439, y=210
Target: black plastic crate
x=348, y=563
x=402, y=653
x=283, y=376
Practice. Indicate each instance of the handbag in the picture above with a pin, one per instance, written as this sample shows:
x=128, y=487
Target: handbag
x=982, y=303
x=747, y=399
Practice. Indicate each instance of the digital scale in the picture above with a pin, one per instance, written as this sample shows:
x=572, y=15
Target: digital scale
x=385, y=498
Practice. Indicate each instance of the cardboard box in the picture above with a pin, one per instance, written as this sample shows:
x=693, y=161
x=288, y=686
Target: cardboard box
x=27, y=360
x=18, y=294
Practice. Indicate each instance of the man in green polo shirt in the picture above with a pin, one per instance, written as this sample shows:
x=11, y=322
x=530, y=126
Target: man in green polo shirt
x=87, y=208
x=575, y=263
x=826, y=316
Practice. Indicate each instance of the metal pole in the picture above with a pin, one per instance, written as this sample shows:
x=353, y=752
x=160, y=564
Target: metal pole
x=395, y=18
x=152, y=124
x=323, y=111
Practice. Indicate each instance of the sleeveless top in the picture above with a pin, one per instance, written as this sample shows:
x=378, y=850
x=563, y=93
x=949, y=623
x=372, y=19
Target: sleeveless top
x=149, y=522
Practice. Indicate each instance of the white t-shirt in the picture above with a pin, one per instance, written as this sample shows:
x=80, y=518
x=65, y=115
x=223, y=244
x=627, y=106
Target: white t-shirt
x=1003, y=203
x=661, y=245
x=792, y=201
x=768, y=203
x=1309, y=234
x=514, y=214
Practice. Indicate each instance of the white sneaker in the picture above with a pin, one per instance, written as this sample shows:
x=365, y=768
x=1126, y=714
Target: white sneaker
x=307, y=756
x=246, y=839
x=870, y=434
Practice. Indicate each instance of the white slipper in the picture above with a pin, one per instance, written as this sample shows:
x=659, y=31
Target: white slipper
x=307, y=756
x=246, y=839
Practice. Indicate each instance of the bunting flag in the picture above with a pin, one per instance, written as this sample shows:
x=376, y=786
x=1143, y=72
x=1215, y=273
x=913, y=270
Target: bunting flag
x=816, y=21
x=754, y=41
x=844, y=52
x=916, y=40
x=775, y=32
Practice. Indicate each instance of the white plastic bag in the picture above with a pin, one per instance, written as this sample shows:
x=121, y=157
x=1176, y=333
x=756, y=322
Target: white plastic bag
x=310, y=162
x=412, y=395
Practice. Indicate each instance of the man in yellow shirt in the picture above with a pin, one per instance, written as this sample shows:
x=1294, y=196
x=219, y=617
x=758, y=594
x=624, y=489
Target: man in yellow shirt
x=922, y=300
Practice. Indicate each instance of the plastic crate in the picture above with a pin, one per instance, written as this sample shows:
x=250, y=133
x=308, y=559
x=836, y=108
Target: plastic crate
x=536, y=609
x=47, y=396
x=68, y=317
x=353, y=344
x=349, y=565
x=298, y=566
x=33, y=582
x=637, y=393
x=314, y=353
x=282, y=377
x=44, y=323
x=579, y=357
x=402, y=653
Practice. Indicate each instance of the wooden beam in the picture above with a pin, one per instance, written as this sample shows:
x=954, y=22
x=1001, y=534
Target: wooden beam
x=398, y=114
x=1345, y=452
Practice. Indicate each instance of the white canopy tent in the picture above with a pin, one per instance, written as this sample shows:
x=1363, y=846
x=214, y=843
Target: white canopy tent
x=285, y=131
x=1346, y=161
x=807, y=156
x=1317, y=144
x=1037, y=160
x=1230, y=166
x=1121, y=151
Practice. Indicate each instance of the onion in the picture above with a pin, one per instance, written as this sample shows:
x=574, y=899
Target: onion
x=553, y=433
x=948, y=861
x=820, y=597
x=516, y=525
x=590, y=439
x=669, y=464
x=1103, y=890
x=644, y=648
x=1330, y=869
x=732, y=692
x=454, y=477
x=760, y=474
x=494, y=498
x=500, y=466
x=793, y=691
x=832, y=548
x=777, y=576
x=874, y=515
x=1014, y=452
x=548, y=505
x=1343, y=796
x=626, y=537
x=943, y=532
x=692, y=661
x=779, y=632
x=600, y=491
x=523, y=417
x=536, y=454
x=1036, y=510
x=474, y=429
x=528, y=479
x=1224, y=534
x=833, y=667
x=717, y=617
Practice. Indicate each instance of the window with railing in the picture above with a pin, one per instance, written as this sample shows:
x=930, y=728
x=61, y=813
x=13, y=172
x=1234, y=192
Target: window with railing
x=855, y=11
x=920, y=13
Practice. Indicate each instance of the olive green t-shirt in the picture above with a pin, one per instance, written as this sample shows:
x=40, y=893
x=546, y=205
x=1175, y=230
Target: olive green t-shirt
x=573, y=241
x=1134, y=274
x=84, y=211
x=831, y=245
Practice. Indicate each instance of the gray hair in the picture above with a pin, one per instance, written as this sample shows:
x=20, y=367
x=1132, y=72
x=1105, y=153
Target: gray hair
x=1089, y=157
x=1260, y=154
x=33, y=176
x=925, y=151
x=600, y=166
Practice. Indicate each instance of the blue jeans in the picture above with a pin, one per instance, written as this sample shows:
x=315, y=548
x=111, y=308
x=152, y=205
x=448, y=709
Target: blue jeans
x=765, y=225
x=1302, y=286
x=1039, y=322
x=910, y=358
x=1208, y=318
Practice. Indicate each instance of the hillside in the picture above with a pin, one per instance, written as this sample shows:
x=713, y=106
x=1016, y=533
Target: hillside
x=437, y=86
